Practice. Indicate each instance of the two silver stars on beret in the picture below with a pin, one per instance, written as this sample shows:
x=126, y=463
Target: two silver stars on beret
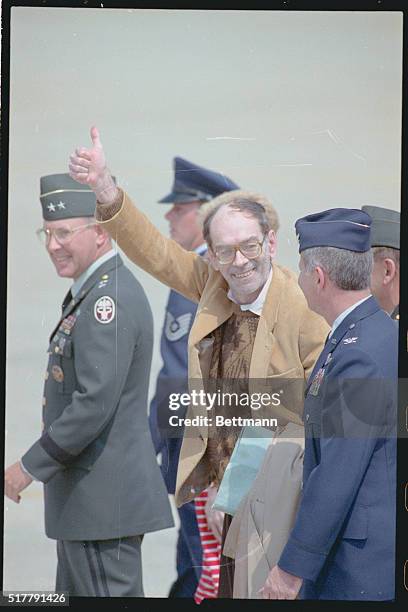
x=51, y=206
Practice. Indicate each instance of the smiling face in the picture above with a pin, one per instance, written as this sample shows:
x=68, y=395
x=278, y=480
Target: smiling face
x=73, y=257
x=245, y=277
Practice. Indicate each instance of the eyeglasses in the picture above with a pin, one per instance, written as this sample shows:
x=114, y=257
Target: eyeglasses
x=63, y=235
x=250, y=249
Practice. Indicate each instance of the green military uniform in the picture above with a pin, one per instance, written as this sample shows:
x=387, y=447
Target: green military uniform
x=385, y=232
x=102, y=485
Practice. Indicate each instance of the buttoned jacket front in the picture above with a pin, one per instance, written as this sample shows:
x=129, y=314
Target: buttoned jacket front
x=343, y=540
x=95, y=456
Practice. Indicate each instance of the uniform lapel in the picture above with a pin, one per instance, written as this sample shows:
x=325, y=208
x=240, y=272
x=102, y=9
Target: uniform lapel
x=362, y=311
x=328, y=348
x=107, y=266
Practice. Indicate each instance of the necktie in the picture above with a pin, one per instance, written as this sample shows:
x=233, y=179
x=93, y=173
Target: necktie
x=67, y=300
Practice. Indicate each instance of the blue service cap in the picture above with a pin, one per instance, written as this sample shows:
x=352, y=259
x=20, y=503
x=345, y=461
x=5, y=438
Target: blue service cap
x=343, y=228
x=192, y=182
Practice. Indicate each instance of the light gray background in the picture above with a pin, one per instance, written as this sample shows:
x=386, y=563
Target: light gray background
x=303, y=107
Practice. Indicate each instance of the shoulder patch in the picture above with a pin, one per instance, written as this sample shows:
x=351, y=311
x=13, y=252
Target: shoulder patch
x=104, y=309
x=176, y=328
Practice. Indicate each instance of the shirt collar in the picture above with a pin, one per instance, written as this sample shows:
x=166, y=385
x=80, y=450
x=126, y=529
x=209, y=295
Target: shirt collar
x=257, y=305
x=78, y=284
x=200, y=250
x=345, y=313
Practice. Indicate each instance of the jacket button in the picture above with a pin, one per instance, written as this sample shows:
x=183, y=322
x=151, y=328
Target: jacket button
x=307, y=417
x=56, y=349
x=44, y=401
x=46, y=375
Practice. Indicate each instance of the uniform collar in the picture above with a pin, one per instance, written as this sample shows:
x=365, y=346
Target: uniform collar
x=81, y=280
x=257, y=305
x=360, y=310
x=104, y=267
x=345, y=313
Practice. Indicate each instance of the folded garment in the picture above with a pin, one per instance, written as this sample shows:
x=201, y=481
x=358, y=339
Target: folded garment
x=243, y=466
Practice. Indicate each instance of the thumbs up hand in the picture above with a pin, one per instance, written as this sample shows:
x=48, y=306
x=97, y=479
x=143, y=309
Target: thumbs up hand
x=88, y=167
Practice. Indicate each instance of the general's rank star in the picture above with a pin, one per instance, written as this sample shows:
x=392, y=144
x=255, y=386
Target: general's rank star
x=61, y=205
x=51, y=207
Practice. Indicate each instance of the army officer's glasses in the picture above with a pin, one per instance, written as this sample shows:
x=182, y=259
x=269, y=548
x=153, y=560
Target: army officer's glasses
x=251, y=249
x=63, y=235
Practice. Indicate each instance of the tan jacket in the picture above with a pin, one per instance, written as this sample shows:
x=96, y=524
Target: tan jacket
x=263, y=521
x=288, y=341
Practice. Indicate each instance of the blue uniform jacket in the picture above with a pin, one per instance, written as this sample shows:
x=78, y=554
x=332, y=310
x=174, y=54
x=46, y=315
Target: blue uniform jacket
x=172, y=378
x=343, y=540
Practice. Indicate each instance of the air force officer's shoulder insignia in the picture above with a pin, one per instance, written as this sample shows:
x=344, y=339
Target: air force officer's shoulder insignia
x=177, y=327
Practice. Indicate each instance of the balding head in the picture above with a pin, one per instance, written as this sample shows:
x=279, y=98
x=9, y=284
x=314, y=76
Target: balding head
x=249, y=203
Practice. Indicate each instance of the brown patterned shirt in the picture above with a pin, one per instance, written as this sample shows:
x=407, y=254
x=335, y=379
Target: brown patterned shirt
x=229, y=373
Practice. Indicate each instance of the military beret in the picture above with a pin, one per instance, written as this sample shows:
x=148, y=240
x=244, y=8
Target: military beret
x=192, y=182
x=343, y=228
x=385, y=226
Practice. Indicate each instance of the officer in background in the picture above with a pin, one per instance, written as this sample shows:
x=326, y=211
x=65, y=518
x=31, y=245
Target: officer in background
x=342, y=545
x=193, y=185
x=385, y=244
x=102, y=487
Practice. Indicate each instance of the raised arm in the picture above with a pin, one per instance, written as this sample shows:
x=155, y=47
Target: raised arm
x=184, y=271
